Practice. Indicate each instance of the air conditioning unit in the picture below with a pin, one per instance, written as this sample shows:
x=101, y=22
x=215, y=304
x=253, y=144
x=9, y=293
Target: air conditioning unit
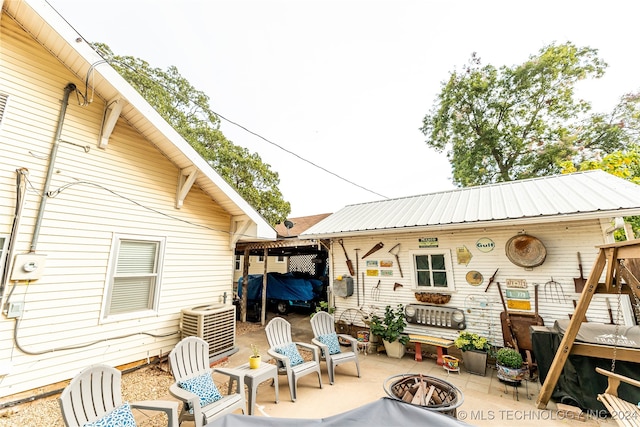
x=216, y=324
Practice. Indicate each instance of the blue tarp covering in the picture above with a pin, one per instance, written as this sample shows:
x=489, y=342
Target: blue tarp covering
x=281, y=286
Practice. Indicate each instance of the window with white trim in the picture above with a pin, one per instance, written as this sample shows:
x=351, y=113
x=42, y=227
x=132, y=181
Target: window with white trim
x=432, y=270
x=135, y=279
x=238, y=262
x=260, y=258
x=280, y=258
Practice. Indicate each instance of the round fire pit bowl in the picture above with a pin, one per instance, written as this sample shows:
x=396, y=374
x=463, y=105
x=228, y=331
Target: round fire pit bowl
x=413, y=389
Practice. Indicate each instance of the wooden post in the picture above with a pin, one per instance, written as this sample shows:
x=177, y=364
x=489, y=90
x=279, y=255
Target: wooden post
x=245, y=286
x=263, y=317
x=572, y=331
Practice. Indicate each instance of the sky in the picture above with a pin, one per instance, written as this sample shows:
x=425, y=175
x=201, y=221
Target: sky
x=345, y=84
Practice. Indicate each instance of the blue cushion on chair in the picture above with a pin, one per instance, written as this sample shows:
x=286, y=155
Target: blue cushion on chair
x=331, y=341
x=118, y=417
x=291, y=351
x=204, y=387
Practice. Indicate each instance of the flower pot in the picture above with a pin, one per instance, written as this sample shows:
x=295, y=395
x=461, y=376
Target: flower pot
x=394, y=349
x=510, y=375
x=254, y=362
x=475, y=362
x=450, y=363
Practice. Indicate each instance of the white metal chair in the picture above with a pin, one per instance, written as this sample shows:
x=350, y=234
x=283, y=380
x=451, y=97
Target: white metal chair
x=278, y=333
x=96, y=392
x=323, y=325
x=189, y=359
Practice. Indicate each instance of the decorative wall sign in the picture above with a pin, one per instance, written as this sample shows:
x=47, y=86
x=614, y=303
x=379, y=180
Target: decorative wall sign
x=474, y=278
x=371, y=263
x=485, y=244
x=428, y=242
x=386, y=263
x=517, y=294
x=517, y=304
x=464, y=256
x=386, y=272
x=517, y=283
x=372, y=272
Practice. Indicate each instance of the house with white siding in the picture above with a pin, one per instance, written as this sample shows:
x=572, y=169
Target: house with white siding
x=110, y=223
x=452, y=242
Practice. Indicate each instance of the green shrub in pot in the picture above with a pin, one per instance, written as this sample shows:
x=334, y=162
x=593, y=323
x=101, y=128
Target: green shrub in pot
x=390, y=327
x=509, y=358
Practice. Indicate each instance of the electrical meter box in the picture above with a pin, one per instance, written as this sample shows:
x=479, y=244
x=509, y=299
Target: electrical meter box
x=27, y=267
x=344, y=287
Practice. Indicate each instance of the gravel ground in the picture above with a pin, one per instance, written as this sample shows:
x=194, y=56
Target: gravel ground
x=148, y=383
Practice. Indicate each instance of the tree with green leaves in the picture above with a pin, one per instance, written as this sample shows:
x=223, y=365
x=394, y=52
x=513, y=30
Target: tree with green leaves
x=187, y=110
x=509, y=123
x=623, y=164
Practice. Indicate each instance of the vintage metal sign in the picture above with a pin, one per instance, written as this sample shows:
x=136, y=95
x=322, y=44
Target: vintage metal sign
x=485, y=244
x=428, y=242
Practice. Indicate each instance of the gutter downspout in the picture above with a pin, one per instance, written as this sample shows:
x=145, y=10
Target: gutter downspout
x=52, y=158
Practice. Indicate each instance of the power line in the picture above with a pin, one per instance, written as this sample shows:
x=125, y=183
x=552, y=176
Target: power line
x=286, y=150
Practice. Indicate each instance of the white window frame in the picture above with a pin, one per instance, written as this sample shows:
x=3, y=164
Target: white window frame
x=448, y=264
x=156, y=275
x=238, y=263
x=260, y=258
x=281, y=259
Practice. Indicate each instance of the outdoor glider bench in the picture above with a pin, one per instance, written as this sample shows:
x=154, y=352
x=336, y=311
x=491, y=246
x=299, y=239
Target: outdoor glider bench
x=624, y=413
x=441, y=345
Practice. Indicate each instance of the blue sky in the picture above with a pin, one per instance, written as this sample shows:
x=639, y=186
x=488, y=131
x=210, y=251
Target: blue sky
x=345, y=84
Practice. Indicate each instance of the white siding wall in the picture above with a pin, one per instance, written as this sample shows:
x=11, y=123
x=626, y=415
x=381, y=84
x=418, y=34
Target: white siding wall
x=128, y=188
x=562, y=242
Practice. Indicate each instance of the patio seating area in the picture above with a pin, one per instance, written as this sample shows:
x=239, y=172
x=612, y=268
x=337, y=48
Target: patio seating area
x=487, y=400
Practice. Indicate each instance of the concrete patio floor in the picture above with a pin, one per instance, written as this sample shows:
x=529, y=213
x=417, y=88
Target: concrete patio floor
x=487, y=401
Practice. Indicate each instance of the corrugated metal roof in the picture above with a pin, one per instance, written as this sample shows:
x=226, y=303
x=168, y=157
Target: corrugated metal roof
x=592, y=194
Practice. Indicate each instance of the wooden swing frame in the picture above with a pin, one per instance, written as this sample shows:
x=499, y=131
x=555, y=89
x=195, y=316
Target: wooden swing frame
x=609, y=256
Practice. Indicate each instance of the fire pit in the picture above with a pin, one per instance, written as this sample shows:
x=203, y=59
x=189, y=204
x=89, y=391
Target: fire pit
x=427, y=392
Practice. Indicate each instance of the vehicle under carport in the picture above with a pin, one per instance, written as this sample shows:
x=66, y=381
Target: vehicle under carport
x=306, y=258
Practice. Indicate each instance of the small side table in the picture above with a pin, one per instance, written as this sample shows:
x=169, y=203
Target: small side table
x=253, y=378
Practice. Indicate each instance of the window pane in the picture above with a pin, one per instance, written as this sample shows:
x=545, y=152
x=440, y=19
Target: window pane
x=422, y=262
x=136, y=257
x=423, y=278
x=438, y=262
x=440, y=279
x=132, y=294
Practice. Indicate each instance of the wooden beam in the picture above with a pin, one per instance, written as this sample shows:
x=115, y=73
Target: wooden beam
x=263, y=317
x=245, y=286
x=572, y=331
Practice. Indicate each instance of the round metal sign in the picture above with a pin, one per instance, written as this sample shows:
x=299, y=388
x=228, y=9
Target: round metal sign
x=474, y=278
x=485, y=244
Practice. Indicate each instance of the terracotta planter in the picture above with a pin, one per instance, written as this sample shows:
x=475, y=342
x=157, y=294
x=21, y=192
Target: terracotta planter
x=394, y=349
x=475, y=362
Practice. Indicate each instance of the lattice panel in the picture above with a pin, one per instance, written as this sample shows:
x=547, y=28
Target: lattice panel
x=302, y=264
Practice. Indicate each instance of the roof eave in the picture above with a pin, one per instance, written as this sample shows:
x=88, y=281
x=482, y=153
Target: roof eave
x=542, y=219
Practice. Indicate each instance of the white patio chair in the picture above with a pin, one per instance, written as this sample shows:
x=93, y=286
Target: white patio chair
x=95, y=394
x=325, y=337
x=285, y=351
x=194, y=386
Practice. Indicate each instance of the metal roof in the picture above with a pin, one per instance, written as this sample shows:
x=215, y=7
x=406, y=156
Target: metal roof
x=52, y=31
x=581, y=195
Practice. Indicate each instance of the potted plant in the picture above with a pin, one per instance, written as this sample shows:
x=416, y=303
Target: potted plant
x=510, y=365
x=389, y=328
x=474, y=352
x=254, y=359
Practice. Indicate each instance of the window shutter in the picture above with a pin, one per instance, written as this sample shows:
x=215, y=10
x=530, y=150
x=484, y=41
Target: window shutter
x=4, y=99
